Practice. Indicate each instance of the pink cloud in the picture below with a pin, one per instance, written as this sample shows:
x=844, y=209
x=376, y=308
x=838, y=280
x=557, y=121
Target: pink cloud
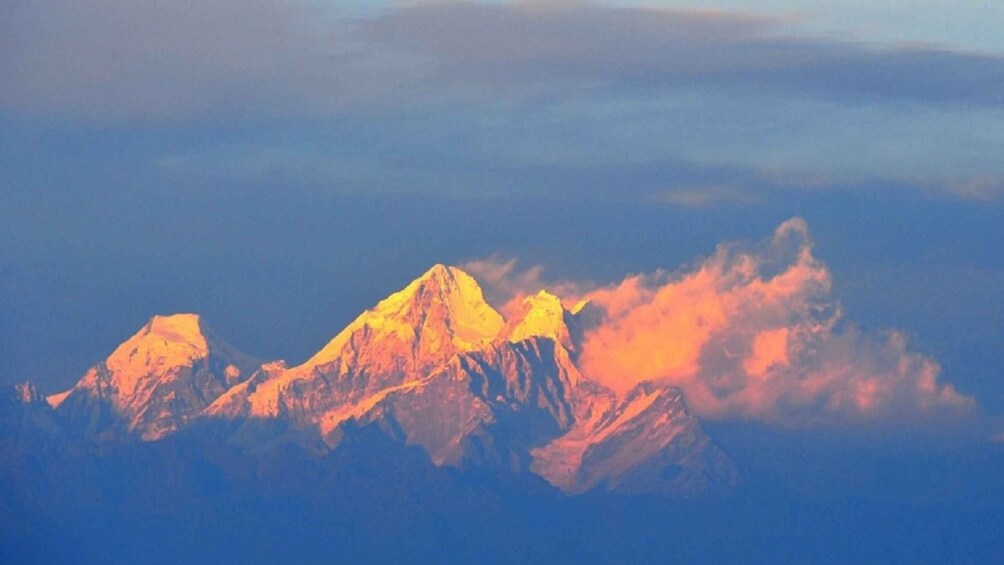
x=754, y=333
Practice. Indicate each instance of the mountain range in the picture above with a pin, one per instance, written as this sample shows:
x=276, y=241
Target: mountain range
x=432, y=366
x=434, y=429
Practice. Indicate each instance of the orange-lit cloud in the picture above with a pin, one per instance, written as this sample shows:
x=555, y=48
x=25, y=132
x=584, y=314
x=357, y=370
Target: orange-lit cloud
x=753, y=332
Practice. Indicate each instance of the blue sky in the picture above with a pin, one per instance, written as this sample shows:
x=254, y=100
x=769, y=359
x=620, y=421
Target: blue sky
x=279, y=166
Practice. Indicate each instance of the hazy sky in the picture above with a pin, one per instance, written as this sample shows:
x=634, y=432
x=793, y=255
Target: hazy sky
x=280, y=166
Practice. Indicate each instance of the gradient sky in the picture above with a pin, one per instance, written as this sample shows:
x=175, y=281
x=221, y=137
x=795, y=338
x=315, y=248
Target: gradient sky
x=280, y=166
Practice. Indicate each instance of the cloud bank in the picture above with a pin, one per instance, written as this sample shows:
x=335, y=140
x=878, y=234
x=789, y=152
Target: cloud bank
x=644, y=49
x=691, y=108
x=752, y=333
x=114, y=59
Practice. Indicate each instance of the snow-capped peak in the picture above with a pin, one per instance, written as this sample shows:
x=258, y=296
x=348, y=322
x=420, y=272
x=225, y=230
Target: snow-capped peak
x=449, y=295
x=443, y=310
x=540, y=315
x=164, y=342
x=153, y=382
x=169, y=342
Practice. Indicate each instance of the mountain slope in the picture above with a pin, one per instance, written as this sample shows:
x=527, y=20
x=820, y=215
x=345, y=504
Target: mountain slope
x=155, y=382
x=483, y=409
x=643, y=442
x=404, y=338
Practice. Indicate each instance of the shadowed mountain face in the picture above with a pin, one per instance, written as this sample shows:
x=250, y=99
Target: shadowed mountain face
x=432, y=366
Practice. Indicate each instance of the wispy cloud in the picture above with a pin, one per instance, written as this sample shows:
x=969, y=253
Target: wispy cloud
x=506, y=285
x=978, y=188
x=703, y=196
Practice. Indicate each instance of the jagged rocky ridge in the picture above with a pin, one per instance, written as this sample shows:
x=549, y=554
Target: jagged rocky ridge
x=432, y=366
